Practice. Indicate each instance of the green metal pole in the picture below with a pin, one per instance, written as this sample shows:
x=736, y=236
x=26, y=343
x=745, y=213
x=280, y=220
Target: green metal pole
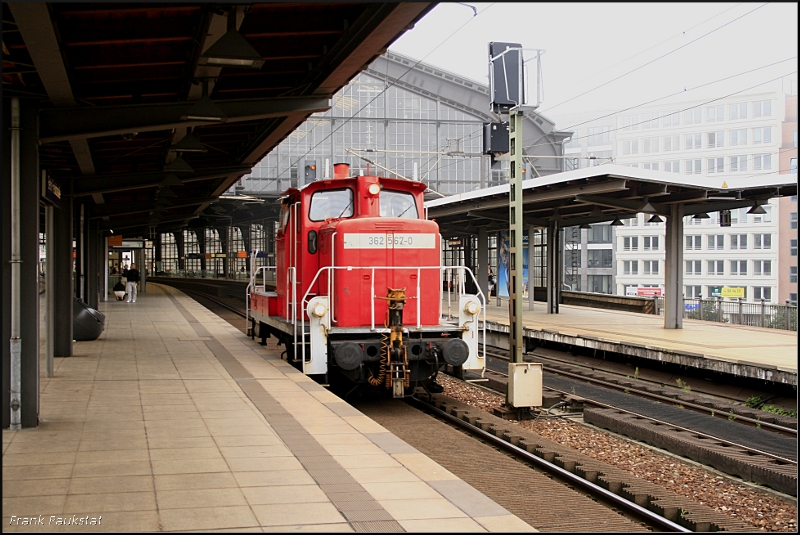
x=516, y=252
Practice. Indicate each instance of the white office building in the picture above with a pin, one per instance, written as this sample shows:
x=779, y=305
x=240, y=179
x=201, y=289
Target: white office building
x=731, y=140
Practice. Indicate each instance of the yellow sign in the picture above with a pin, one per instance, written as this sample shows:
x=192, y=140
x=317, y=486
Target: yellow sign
x=732, y=291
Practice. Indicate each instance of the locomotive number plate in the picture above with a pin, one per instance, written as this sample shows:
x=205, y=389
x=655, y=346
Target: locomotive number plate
x=390, y=241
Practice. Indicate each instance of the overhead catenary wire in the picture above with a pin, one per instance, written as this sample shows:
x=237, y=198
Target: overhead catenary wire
x=391, y=84
x=656, y=59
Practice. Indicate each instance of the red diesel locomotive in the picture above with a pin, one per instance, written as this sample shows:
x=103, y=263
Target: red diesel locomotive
x=359, y=287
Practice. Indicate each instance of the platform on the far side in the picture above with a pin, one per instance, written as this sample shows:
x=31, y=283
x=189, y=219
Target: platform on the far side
x=753, y=352
x=173, y=420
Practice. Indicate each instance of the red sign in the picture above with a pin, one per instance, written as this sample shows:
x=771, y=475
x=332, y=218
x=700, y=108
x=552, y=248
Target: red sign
x=648, y=292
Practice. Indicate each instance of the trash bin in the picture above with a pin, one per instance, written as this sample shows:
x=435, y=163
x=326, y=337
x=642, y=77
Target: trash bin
x=87, y=323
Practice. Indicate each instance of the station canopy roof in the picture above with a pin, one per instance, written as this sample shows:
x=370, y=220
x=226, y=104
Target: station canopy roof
x=120, y=86
x=602, y=194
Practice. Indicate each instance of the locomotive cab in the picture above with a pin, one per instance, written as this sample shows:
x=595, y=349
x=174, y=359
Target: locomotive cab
x=359, y=287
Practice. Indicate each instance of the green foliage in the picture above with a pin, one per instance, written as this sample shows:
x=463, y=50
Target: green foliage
x=683, y=386
x=731, y=416
x=780, y=412
x=636, y=373
x=755, y=402
x=779, y=320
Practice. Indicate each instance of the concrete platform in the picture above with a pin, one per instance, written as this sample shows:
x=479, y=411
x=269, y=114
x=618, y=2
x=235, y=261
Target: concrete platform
x=175, y=421
x=753, y=352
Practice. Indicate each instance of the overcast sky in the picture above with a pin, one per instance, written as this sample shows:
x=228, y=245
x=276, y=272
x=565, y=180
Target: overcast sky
x=591, y=44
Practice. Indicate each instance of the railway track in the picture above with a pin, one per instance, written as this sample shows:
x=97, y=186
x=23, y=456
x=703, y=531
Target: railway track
x=753, y=454
x=681, y=513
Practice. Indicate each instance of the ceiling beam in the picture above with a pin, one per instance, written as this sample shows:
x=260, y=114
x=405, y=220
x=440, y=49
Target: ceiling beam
x=611, y=202
x=113, y=210
x=36, y=28
x=70, y=123
x=130, y=181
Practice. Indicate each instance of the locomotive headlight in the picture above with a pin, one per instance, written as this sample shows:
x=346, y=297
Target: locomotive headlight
x=374, y=189
x=472, y=307
x=320, y=310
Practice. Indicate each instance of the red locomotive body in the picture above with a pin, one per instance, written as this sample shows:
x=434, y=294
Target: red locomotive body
x=358, y=290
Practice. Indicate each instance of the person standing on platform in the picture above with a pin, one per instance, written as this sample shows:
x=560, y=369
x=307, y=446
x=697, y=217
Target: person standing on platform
x=133, y=282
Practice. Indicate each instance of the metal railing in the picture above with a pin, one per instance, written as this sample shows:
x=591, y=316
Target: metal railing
x=738, y=312
x=208, y=274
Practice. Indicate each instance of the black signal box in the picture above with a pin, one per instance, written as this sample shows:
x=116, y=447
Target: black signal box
x=495, y=138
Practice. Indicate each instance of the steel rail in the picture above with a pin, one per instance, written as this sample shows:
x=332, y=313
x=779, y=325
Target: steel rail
x=675, y=426
x=643, y=393
x=596, y=490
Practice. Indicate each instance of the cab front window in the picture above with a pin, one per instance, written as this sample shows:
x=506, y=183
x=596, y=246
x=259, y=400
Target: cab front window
x=398, y=204
x=331, y=204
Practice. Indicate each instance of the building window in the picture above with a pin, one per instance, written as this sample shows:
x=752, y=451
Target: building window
x=716, y=267
x=793, y=248
x=694, y=116
x=630, y=243
x=738, y=242
x=693, y=243
x=716, y=242
x=672, y=143
x=600, y=258
x=793, y=274
x=762, y=241
x=650, y=145
x=693, y=267
x=793, y=168
x=762, y=108
x=650, y=120
x=739, y=267
x=693, y=141
x=738, y=164
x=630, y=122
x=762, y=267
x=716, y=139
x=599, y=284
x=599, y=135
x=693, y=167
x=762, y=162
x=762, y=135
x=738, y=137
x=651, y=267
x=631, y=267
x=672, y=119
x=715, y=113
x=630, y=146
x=672, y=166
x=738, y=111
x=692, y=292
x=762, y=292
x=766, y=217
x=716, y=165
x=600, y=234
x=650, y=243
x=653, y=166
x=793, y=298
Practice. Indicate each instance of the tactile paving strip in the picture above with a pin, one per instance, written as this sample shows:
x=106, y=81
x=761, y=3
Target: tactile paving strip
x=331, y=477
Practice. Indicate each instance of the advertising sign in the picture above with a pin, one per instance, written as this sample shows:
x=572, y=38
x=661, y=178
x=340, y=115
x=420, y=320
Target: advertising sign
x=502, y=263
x=727, y=291
x=648, y=292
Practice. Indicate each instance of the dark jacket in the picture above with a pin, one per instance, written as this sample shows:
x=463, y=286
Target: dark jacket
x=119, y=287
x=133, y=275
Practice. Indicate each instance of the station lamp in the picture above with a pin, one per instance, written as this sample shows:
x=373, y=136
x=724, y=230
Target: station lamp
x=232, y=49
x=701, y=216
x=617, y=223
x=171, y=180
x=179, y=165
x=189, y=143
x=757, y=209
x=655, y=219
